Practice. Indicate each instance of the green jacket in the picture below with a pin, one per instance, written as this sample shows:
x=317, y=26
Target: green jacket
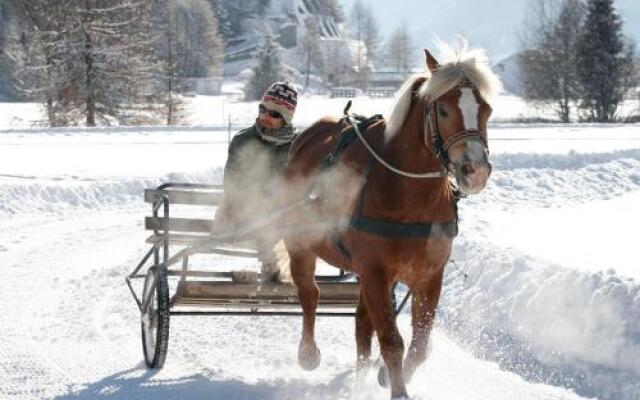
x=251, y=175
x=246, y=149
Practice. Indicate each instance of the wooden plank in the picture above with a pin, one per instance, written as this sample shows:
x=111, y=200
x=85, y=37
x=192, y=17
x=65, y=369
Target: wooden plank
x=179, y=224
x=186, y=240
x=179, y=239
x=255, y=304
x=189, y=197
x=203, y=291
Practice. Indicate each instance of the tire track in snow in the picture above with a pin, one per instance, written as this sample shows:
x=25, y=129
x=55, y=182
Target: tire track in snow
x=46, y=346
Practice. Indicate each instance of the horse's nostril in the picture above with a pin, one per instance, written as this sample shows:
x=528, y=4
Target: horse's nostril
x=467, y=169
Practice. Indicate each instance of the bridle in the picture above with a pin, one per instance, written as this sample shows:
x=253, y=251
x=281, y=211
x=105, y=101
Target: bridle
x=433, y=139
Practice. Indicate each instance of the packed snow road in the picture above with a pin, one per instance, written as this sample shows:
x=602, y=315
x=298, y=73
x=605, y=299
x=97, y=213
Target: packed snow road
x=71, y=331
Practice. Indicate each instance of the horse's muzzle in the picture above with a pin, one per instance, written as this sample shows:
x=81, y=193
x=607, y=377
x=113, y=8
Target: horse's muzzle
x=473, y=177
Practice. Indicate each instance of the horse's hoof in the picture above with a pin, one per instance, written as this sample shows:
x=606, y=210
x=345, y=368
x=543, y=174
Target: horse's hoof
x=309, y=357
x=383, y=376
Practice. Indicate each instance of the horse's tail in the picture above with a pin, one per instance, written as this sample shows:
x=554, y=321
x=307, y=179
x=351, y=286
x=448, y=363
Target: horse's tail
x=283, y=263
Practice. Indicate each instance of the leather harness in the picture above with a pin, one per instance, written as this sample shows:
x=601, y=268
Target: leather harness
x=381, y=227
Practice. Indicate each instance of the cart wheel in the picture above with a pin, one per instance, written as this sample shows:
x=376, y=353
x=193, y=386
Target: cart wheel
x=155, y=317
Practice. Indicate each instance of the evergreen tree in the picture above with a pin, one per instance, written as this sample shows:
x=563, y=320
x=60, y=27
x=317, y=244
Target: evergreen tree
x=168, y=85
x=225, y=28
x=269, y=69
x=309, y=49
x=4, y=23
x=188, y=46
x=605, y=62
x=364, y=28
x=87, y=60
x=371, y=35
x=331, y=9
x=230, y=14
x=5, y=61
x=114, y=54
x=400, y=50
x=198, y=45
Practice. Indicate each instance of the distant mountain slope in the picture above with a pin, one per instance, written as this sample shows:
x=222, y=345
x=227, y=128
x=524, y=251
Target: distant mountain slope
x=286, y=22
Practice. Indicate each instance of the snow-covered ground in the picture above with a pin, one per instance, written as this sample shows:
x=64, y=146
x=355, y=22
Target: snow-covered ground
x=550, y=308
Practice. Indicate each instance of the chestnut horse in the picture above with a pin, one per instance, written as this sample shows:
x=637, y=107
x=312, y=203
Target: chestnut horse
x=388, y=206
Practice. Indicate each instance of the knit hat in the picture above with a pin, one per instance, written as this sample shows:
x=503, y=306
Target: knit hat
x=283, y=98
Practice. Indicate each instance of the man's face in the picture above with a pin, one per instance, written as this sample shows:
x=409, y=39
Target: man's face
x=270, y=119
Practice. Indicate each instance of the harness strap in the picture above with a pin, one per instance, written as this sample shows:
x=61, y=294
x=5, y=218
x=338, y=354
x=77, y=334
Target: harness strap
x=391, y=229
x=336, y=239
x=349, y=136
x=380, y=227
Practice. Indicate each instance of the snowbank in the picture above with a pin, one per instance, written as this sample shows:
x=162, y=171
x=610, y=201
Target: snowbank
x=19, y=197
x=575, y=327
x=547, y=323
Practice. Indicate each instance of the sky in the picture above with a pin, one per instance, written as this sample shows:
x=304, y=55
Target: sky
x=492, y=25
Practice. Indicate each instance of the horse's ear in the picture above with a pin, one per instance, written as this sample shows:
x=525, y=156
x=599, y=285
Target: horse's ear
x=432, y=63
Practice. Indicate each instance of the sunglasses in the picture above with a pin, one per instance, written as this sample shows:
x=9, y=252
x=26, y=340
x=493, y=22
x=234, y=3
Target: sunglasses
x=272, y=114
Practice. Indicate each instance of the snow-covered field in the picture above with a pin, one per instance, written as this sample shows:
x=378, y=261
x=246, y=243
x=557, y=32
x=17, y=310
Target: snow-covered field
x=550, y=308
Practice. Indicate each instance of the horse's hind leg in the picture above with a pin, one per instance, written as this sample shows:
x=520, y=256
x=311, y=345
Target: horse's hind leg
x=303, y=267
x=364, y=333
x=377, y=295
x=426, y=294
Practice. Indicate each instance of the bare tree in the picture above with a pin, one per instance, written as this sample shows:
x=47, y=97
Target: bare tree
x=400, y=50
x=548, y=64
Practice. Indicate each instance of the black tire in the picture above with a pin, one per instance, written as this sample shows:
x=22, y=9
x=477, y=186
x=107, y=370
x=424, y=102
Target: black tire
x=155, y=331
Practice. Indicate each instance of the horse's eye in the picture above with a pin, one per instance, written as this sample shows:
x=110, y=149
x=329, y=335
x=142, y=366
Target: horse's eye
x=442, y=112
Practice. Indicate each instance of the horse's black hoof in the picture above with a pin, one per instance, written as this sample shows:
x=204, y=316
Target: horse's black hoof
x=383, y=376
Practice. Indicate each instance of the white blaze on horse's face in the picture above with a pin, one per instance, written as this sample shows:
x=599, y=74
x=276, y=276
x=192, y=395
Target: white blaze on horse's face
x=469, y=107
x=469, y=157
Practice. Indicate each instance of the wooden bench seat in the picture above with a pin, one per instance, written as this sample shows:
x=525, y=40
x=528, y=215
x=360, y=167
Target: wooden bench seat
x=187, y=197
x=343, y=294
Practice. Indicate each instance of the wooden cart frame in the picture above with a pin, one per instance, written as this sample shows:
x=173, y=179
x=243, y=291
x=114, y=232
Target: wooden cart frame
x=202, y=292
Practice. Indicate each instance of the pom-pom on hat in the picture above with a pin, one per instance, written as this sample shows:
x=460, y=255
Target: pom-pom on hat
x=283, y=98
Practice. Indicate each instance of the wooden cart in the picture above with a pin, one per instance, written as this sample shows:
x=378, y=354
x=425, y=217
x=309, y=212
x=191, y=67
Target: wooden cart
x=172, y=288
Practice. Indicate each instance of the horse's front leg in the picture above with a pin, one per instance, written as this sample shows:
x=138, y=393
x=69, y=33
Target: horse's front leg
x=426, y=294
x=377, y=295
x=303, y=267
x=364, y=333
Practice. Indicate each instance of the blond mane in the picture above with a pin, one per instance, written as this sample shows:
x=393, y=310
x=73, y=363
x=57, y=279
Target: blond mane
x=459, y=64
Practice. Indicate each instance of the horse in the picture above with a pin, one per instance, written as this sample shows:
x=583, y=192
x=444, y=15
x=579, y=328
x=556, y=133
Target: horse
x=386, y=206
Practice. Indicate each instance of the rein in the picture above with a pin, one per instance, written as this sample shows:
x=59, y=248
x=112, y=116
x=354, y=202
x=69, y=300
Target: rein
x=440, y=147
x=425, y=175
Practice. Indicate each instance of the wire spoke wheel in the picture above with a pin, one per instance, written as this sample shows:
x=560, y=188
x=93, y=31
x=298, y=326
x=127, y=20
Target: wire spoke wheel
x=155, y=317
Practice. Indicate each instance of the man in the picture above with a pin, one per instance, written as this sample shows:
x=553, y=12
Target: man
x=257, y=156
